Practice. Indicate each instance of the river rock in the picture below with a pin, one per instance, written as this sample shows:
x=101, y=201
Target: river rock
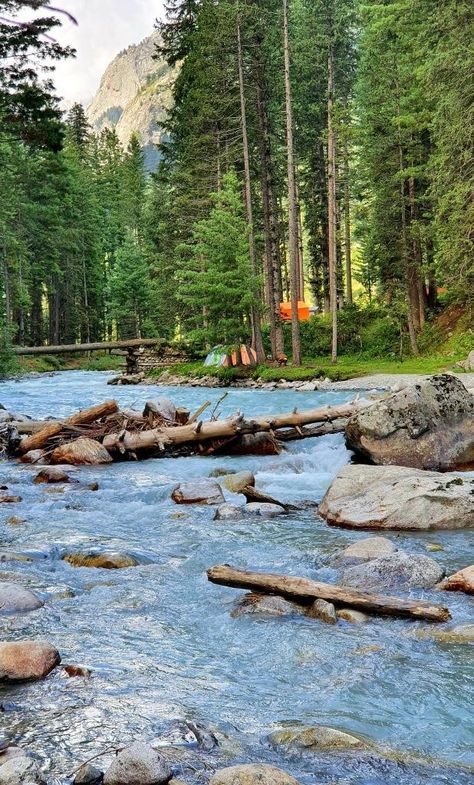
x=163, y=407
x=252, y=774
x=105, y=561
x=253, y=444
x=468, y=363
x=138, y=764
x=365, y=550
x=51, y=474
x=25, y=660
x=8, y=499
x=462, y=633
x=268, y=604
x=399, y=570
x=198, y=492
x=263, y=509
x=229, y=512
x=33, y=456
x=316, y=737
x=5, y=416
x=17, y=599
x=352, y=616
x=238, y=481
x=429, y=425
x=88, y=775
x=21, y=771
x=325, y=611
x=463, y=580
x=81, y=451
x=395, y=497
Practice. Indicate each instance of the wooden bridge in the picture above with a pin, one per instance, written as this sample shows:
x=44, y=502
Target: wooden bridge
x=132, y=343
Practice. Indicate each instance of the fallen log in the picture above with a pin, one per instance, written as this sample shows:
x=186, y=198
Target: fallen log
x=307, y=431
x=38, y=439
x=306, y=590
x=160, y=438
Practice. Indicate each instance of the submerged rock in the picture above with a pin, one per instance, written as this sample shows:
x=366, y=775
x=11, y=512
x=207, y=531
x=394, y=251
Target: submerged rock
x=52, y=474
x=88, y=775
x=17, y=599
x=229, y=512
x=252, y=774
x=266, y=604
x=138, y=764
x=463, y=580
x=238, y=481
x=27, y=660
x=462, y=633
x=365, y=550
x=320, y=609
x=198, y=492
x=82, y=451
x=429, y=425
x=263, y=509
x=106, y=561
x=316, y=737
x=21, y=770
x=398, y=570
x=395, y=497
x=352, y=616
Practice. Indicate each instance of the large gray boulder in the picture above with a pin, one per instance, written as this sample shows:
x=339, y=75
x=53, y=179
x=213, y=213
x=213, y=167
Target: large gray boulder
x=399, y=570
x=395, y=497
x=138, y=764
x=17, y=599
x=429, y=425
x=162, y=407
x=252, y=774
x=198, y=492
x=20, y=770
x=364, y=550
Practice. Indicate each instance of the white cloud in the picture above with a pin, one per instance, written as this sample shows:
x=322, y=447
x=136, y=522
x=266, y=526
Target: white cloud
x=105, y=27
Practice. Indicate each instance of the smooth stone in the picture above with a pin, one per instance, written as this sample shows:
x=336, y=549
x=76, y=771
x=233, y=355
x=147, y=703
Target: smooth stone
x=353, y=617
x=429, y=425
x=252, y=774
x=325, y=611
x=268, y=604
x=77, y=670
x=395, y=497
x=399, y=570
x=365, y=550
x=462, y=633
x=229, y=512
x=25, y=660
x=17, y=599
x=6, y=499
x=21, y=771
x=33, y=456
x=138, y=764
x=263, y=509
x=198, y=492
x=51, y=474
x=106, y=561
x=317, y=737
x=235, y=483
x=463, y=580
x=163, y=407
x=82, y=451
x=221, y=471
x=88, y=775
x=15, y=520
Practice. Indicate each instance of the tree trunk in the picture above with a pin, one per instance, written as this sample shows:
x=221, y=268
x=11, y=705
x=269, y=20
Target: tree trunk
x=38, y=439
x=257, y=341
x=292, y=202
x=332, y=207
x=347, y=227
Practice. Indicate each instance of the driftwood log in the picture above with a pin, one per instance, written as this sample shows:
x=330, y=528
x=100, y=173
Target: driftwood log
x=306, y=590
x=163, y=437
x=39, y=439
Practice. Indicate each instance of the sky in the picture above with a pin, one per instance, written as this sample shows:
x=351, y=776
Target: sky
x=105, y=27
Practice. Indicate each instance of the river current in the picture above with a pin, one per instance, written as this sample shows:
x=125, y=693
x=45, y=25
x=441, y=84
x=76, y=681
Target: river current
x=161, y=642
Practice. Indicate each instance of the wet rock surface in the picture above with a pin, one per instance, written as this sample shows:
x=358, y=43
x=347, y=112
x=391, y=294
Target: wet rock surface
x=252, y=774
x=463, y=580
x=89, y=775
x=365, y=550
x=138, y=764
x=198, y=492
x=17, y=599
x=266, y=604
x=399, y=570
x=82, y=451
x=317, y=737
x=105, y=561
x=21, y=771
x=238, y=481
x=51, y=474
x=27, y=660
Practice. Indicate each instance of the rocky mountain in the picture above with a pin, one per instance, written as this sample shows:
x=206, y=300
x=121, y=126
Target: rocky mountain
x=133, y=96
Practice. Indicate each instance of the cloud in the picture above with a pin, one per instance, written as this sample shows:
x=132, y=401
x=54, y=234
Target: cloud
x=105, y=27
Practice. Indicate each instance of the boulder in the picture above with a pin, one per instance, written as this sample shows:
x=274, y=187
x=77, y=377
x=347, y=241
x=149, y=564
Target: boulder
x=352, y=616
x=365, y=550
x=238, y=481
x=399, y=570
x=81, y=451
x=17, y=599
x=24, y=660
x=267, y=604
x=138, y=764
x=229, y=512
x=316, y=737
x=263, y=509
x=325, y=611
x=88, y=775
x=429, y=425
x=198, y=492
x=463, y=580
x=21, y=770
x=252, y=774
x=51, y=474
x=5, y=416
x=468, y=363
x=163, y=407
x=395, y=497
x=33, y=456
x=462, y=633
x=105, y=561
x=253, y=444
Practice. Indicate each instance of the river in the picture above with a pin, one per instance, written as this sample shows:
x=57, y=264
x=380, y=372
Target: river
x=160, y=640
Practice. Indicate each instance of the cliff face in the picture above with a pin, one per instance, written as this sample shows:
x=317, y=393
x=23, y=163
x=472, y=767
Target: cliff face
x=133, y=96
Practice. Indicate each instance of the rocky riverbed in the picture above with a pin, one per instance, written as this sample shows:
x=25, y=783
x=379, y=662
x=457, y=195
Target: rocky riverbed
x=164, y=660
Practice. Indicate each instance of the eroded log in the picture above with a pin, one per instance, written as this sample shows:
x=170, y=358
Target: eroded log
x=306, y=590
x=38, y=439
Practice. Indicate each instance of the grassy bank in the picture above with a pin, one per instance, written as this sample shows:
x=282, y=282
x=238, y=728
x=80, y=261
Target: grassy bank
x=54, y=362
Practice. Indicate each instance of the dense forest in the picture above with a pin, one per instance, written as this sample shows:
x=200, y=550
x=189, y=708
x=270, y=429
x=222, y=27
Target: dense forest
x=318, y=151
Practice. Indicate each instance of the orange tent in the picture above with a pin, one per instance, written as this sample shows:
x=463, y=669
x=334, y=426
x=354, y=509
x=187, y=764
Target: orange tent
x=303, y=311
